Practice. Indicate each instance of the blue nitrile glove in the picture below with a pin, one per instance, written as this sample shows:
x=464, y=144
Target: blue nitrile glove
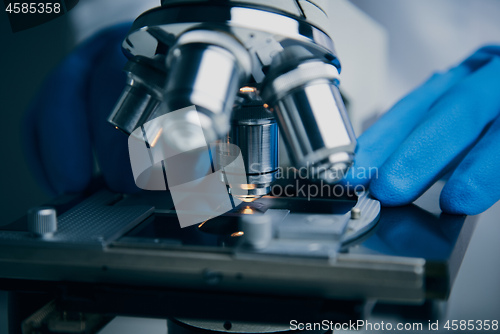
x=66, y=124
x=449, y=124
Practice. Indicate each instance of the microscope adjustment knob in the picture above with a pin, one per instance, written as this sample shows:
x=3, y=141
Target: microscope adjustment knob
x=42, y=221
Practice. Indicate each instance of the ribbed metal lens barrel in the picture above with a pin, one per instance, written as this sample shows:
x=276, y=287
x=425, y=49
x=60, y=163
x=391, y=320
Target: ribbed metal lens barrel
x=206, y=69
x=255, y=132
x=304, y=95
x=140, y=97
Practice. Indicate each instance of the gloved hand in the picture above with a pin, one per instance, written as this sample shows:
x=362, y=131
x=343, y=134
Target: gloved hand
x=449, y=124
x=66, y=125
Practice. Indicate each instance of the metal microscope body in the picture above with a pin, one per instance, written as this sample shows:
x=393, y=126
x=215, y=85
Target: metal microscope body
x=204, y=52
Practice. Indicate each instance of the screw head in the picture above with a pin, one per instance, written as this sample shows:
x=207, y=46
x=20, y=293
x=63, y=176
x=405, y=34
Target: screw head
x=355, y=213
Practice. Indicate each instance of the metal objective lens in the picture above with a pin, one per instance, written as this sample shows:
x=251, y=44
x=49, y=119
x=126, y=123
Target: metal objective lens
x=141, y=96
x=303, y=92
x=255, y=132
x=206, y=68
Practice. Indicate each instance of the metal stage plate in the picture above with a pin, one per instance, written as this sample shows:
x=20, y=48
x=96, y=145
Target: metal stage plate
x=127, y=255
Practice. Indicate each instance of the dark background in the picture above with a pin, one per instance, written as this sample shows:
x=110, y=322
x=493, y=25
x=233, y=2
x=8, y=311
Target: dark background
x=26, y=58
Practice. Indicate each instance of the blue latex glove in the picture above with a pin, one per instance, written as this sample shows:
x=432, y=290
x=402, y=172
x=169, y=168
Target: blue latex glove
x=449, y=124
x=66, y=124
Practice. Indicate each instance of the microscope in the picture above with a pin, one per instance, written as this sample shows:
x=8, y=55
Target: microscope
x=247, y=74
x=249, y=68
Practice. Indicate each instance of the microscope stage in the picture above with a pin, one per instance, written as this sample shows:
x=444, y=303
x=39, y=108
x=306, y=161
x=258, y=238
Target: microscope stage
x=317, y=250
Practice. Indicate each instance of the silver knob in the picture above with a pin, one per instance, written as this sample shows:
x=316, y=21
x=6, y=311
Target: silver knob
x=42, y=221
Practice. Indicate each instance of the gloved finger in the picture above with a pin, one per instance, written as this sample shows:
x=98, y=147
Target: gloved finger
x=56, y=133
x=382, y=139
x=451, y=127
x=106, y=83
x=474, y=186
x=482, y=56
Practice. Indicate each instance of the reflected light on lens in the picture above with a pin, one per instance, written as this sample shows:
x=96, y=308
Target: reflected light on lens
x=248, y=186
x=247, y=89
x=153, y=143
x=247, y=211
x=237, y=234
x=247, y=198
